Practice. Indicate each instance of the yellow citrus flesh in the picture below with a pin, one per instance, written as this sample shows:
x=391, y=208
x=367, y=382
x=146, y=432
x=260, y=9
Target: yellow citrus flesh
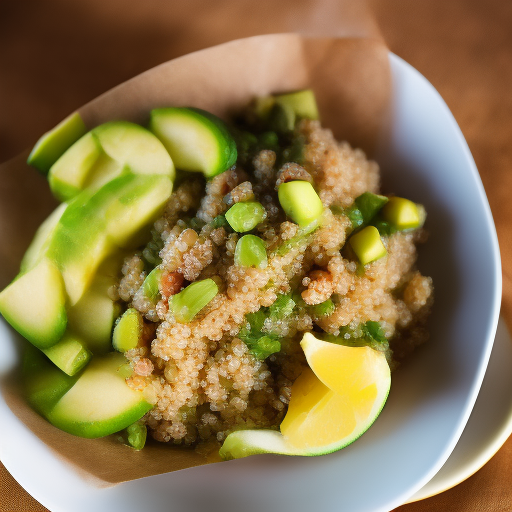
x=335, y=401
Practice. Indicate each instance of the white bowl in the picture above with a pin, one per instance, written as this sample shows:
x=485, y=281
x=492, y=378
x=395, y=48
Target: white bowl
x=424, y=157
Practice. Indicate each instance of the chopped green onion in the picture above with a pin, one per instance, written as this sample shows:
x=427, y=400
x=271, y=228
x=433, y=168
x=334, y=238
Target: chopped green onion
x=150, y=284
x=325, y=308
x=243, y=217
x=250, y=252
x=189, y=302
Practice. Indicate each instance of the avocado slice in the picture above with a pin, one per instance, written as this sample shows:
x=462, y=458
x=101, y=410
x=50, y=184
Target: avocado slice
x=196, y=140
x=96, y=225
x=49, y=148
x=92, y=318
x=69, y=354
x=44, y=384
x=40, y=242
x=35, y=304
x=104, y=153
x=100, y=402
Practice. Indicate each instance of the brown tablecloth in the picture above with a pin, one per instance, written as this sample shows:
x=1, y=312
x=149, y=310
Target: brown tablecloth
x=55, y=55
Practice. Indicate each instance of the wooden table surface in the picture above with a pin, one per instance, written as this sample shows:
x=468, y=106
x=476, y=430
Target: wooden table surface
x=56, y=55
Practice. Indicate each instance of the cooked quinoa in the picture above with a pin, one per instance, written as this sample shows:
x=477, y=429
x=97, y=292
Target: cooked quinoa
x=204, y=380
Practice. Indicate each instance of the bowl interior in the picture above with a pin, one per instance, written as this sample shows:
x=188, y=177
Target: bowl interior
x=424, y=157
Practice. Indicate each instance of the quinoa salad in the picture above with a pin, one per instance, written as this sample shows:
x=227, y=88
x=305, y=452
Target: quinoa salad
x=209, y=377
x=236, y=288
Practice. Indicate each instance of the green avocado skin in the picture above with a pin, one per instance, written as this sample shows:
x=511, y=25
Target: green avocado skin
x=52, y=145
x=95, y=429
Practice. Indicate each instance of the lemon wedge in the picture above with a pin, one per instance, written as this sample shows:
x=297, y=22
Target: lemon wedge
x=333, y=402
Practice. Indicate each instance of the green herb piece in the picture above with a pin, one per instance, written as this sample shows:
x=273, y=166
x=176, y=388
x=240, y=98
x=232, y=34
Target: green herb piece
x=261, y=344
x=325, y=308
x=243, y=217
x=250, y=251
x=282, y=307
x=373, y=331
x=189, y=302
x=220, y=222
x=265, y=346
x=150, y=284
x=369, y=205
x=355, y=216
x=384, y=227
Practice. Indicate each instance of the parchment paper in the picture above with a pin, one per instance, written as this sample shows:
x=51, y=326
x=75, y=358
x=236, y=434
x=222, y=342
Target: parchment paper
x=350, y=77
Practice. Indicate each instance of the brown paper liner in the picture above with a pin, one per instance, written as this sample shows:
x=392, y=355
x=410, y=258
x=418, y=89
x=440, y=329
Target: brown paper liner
x=351, y=79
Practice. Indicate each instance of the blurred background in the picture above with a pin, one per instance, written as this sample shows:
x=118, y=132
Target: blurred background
x=56, y=55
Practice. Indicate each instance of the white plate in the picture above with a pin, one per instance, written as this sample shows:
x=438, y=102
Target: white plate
x=489, y=425
x=424, y=157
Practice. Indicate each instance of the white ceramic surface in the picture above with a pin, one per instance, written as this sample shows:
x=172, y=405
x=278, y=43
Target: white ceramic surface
x=424, y=157
x=489, y=425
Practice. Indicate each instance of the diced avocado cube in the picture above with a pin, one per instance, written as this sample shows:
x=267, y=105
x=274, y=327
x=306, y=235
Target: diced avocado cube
x=150, y=285
x=35, y=304
x=303, y=103
x=190, y=301
x=300, y=202
x=369, y=205
x=243, y=217
x=54, y=143
x=250, y=251
x=100, y=402
x=368, y=245
x=69, y=354
x=196, y=140
x=128, y=331
x=401, y=213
